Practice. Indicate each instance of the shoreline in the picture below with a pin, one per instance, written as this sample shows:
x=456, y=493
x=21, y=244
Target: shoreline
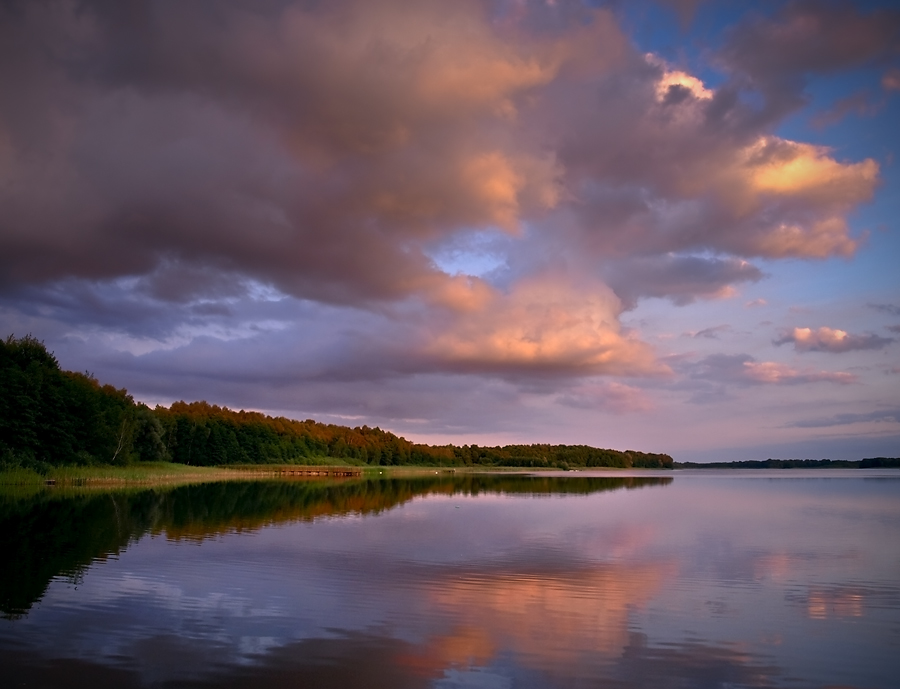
x=171, y=474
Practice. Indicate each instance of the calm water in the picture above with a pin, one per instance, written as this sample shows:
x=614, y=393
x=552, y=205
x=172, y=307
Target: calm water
x=724, y=579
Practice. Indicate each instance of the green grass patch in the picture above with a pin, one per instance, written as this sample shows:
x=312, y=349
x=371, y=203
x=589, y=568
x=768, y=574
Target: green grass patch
x=149, y=472
x=152, y=473
x=20, y=476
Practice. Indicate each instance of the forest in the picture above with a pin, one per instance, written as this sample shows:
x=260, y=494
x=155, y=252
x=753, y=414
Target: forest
x=51, y=417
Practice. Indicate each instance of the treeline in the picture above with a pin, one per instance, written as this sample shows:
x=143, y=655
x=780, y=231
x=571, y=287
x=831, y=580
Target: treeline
x=868, y=463
x=558, y=456
x=51, y=417
x=203, y=434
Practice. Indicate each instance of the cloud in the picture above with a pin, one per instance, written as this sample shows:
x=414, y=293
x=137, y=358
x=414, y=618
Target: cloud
x=891, y=80
x=889, y=415
x=681, y=279
x=830, y=340
x=767, y=372
x=610, y=397
x=685, y=9
x=308, y=148
x=773, y=55
x=544, y=323
x=811, y=37
x=749, y=196
x=892, y=309
x=711, y=333
x=859, y=104
x=743, y=369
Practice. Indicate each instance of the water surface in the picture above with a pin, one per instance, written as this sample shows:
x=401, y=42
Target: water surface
x=678, y=579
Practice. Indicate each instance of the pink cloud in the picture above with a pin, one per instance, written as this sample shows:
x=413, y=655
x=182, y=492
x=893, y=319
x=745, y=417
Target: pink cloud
x=547, y=322
x=770, y=372
x=742, y=369
x=833, y=340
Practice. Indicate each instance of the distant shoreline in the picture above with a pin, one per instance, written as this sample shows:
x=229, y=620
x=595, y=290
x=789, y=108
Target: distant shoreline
x=867, y=463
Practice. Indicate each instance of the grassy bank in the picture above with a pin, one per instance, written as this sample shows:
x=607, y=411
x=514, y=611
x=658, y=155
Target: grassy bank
x=149, y=473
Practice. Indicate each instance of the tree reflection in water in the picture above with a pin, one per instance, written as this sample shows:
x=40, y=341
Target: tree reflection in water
x=59, y=532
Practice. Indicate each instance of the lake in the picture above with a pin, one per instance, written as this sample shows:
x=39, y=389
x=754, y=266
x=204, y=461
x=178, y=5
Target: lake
x=710, y=578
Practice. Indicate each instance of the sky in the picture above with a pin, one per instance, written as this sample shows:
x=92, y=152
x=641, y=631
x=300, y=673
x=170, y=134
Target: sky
x=663, y=225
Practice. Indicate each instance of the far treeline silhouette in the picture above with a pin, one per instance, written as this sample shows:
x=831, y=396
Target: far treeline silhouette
x=51, y=417
x=868, y=463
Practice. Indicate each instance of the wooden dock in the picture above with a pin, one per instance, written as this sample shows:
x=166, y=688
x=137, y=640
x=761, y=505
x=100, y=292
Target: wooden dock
x=318, y=471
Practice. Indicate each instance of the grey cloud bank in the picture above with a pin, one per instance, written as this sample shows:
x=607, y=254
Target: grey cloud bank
x=247, y=201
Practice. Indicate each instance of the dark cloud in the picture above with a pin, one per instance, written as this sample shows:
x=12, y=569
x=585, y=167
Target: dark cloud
x=889, y=415
x=892, y=309
x=142, y=307
x=685, y=9
x=830, y=340
x=777, y=52
x=859, y=104
x=682, y=279
x=711, y=333
x=300, y=146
